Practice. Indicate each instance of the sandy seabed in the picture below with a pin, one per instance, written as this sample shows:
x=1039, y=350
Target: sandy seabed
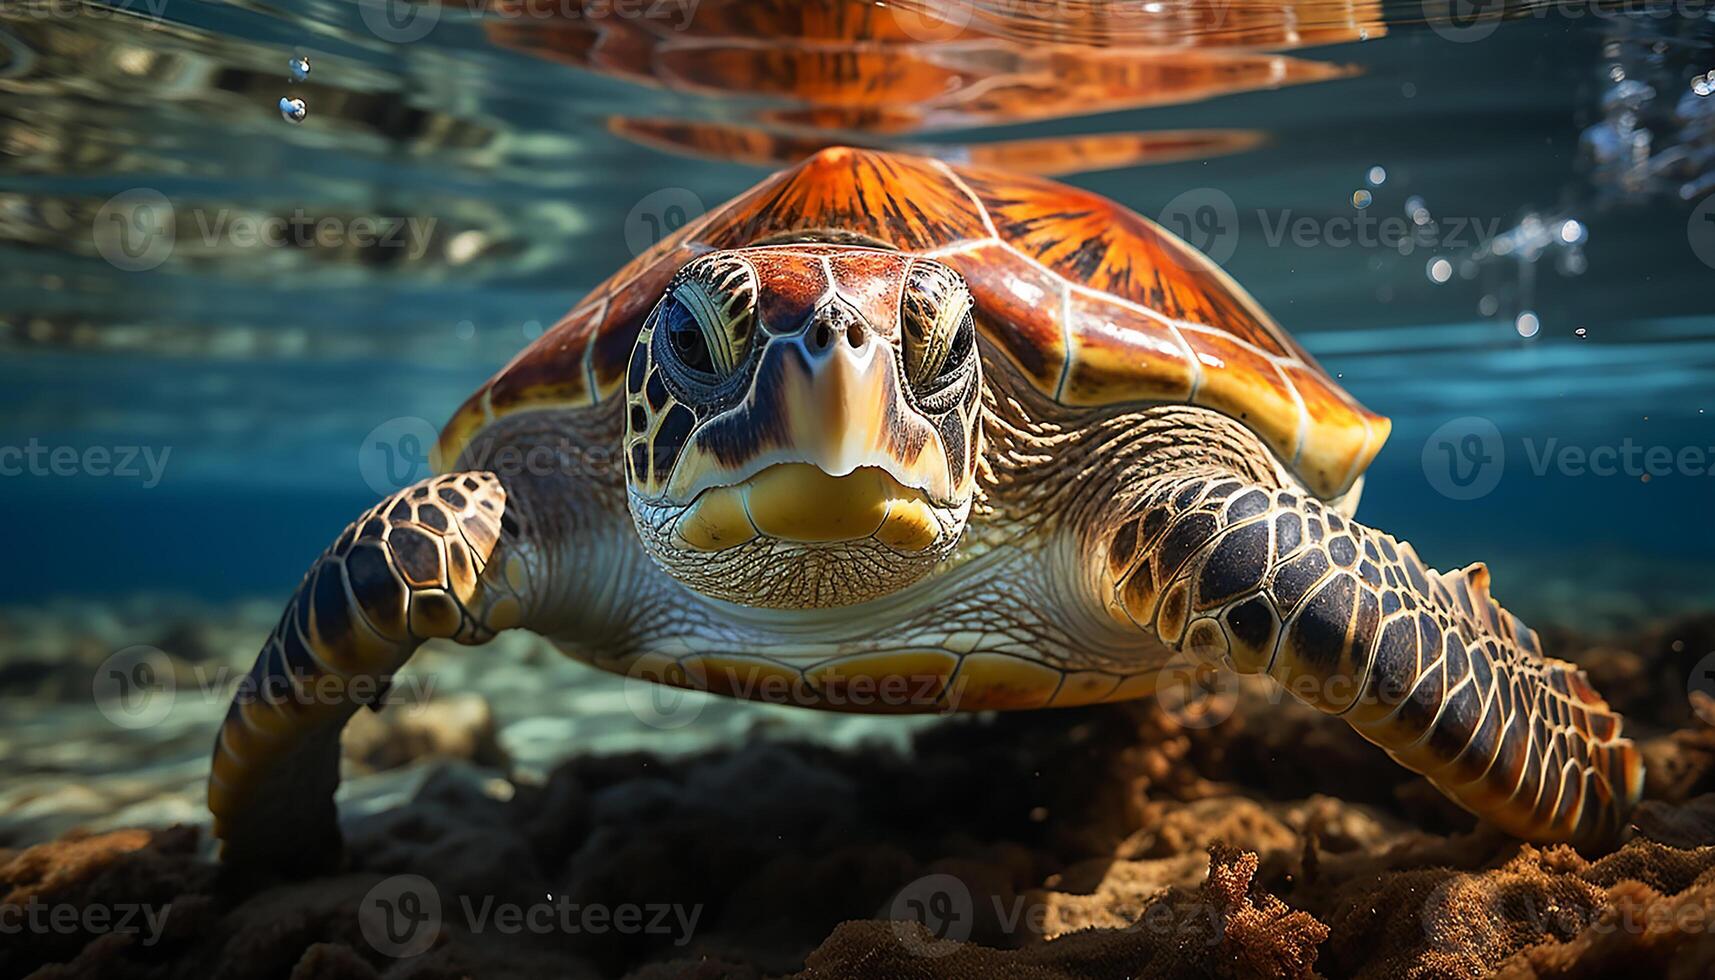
x=514, y=826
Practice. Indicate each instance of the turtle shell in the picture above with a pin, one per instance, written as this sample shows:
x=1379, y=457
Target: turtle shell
x=1091, y=302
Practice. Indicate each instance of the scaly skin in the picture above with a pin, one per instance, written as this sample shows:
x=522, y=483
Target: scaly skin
x=1259, y=577
x=1098, y=543
x=433, y=560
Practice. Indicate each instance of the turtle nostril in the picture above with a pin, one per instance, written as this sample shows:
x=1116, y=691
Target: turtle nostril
x=831, y=324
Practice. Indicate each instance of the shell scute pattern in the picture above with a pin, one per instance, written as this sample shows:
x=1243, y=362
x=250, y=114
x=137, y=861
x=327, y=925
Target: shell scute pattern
x=1091, y=302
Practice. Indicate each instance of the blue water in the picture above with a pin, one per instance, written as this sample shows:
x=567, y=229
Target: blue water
x=260, y=370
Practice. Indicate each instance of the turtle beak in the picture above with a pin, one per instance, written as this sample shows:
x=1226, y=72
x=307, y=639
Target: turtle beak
x=826, y=395
x=838, y=392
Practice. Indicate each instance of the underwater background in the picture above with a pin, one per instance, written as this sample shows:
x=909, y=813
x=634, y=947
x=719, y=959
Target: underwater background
x=256, y=373
x=254, y=254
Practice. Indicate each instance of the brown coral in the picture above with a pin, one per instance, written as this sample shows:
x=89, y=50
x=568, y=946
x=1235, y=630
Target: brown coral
x=1094, y=843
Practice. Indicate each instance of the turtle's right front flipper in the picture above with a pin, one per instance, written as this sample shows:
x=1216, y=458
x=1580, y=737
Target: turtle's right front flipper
x=429, y=561
x=1427, y=665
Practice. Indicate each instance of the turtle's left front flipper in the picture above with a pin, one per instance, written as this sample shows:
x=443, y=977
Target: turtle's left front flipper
x=1350, y=621
x=430, y=561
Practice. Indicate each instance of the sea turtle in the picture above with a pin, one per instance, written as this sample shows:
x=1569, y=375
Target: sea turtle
x=888, y=434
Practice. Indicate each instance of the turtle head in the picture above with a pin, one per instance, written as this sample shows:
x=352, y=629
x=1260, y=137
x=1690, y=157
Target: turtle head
x=802, y=423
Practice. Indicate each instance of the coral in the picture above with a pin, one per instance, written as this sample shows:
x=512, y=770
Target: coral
x=1112, y=841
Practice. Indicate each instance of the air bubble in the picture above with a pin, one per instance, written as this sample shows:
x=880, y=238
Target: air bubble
x=1581, y=333
x=1377, y=175
x=1361, y=199
x=1488, y=305
x=464, y=330
x=1573, y=232
x=1527, y=324
x=293, y=110
x=532, y=329
x=1440, y=270
x=300, y=68
x=1417, y=210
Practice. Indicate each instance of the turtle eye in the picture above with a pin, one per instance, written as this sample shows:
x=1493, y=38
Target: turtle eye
x=937, y=329
x=686, y=340
x=707, y=319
